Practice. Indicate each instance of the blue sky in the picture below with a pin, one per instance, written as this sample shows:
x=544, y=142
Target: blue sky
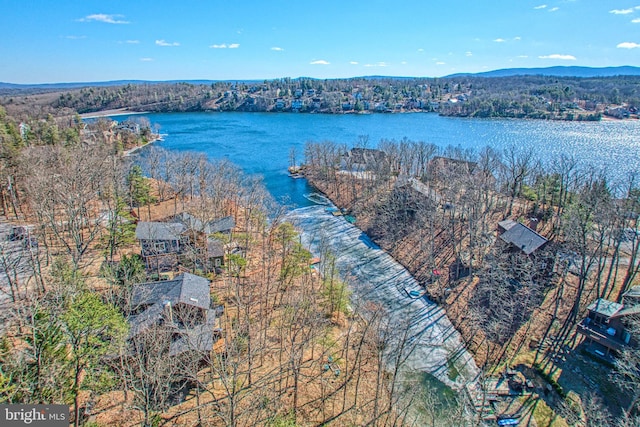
x=96, y=40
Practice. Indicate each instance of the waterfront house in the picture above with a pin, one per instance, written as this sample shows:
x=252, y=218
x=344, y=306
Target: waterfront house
x=183, y=305
x=204, y=250
x=362, y=159
x=193, y=224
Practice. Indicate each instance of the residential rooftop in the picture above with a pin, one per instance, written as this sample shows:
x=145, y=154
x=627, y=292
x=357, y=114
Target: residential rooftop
x=524, y=238
x=159, y=230
x=604, y=307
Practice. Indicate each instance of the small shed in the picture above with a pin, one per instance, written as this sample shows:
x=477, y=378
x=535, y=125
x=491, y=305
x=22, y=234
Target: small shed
x=215, y=253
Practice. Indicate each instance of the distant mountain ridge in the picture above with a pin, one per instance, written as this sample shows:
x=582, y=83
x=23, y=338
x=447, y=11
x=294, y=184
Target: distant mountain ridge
x=559, y=71
x=78, y=85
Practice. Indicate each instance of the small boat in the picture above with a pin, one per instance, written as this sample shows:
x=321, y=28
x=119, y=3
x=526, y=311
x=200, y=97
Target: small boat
x=317, y=198
x=413, y=293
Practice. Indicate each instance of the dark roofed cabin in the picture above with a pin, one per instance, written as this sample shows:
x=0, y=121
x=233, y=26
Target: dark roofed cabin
x=522, y=237
x=183, y=304
x=161, y=243
x=215, y=253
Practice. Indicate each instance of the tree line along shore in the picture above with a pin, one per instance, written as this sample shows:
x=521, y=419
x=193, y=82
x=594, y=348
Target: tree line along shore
x=537, y=97
x=271, y=339
x=521, y=254
x=436, y=211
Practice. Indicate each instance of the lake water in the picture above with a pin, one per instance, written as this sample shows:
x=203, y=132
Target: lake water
x=260, y=142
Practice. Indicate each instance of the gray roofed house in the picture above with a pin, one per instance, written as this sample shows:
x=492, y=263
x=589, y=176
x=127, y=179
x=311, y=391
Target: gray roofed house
x=183, y=303
x=221, y=225
x=506, y=224
x=604, y=307
x=159, y=230
x=215, y=252
x=189, y=221
x=361, y=159
x=160, y=242
x=605, y=327
x=185, y=288
x=523, y=238
x=632, y=295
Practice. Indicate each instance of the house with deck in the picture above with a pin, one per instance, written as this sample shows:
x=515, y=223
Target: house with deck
x=185, y=239
x=606, y=327
x=161, y=243
x=183, y=306
x=221, y=225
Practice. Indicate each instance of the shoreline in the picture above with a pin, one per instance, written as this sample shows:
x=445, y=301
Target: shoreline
x=157, y=137
x=110, y=113
x=125, y=112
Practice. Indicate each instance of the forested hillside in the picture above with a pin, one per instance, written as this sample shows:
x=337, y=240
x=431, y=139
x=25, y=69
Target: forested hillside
x=544, y=97
x=448, y=216
x=268, y=341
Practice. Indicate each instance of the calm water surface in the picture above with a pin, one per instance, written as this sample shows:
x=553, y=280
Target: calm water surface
x=260, y=142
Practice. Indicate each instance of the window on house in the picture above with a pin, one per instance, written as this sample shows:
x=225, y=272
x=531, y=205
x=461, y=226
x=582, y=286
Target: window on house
x=159, y=247
x=217, y=262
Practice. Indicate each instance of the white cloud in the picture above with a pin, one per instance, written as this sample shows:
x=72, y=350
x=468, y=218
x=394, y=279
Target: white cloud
x=558, y=56
x=420, y=50
x=440, y=63
x=75, y=37
x=522, y=56
x=165, y=43
x=553, y=9
x=101, y=17
x=132, y=41
x=499, y=40
x=404, y=62
x=319, y=62
x=146, y=59
x=353, y=62
x=636, y=21
x=225, y=46
x=621, y=11
x=517, y=38
x=542, y=6
x=377, y=64
x=468, y=53
x=277, y=49
x=628, y=45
